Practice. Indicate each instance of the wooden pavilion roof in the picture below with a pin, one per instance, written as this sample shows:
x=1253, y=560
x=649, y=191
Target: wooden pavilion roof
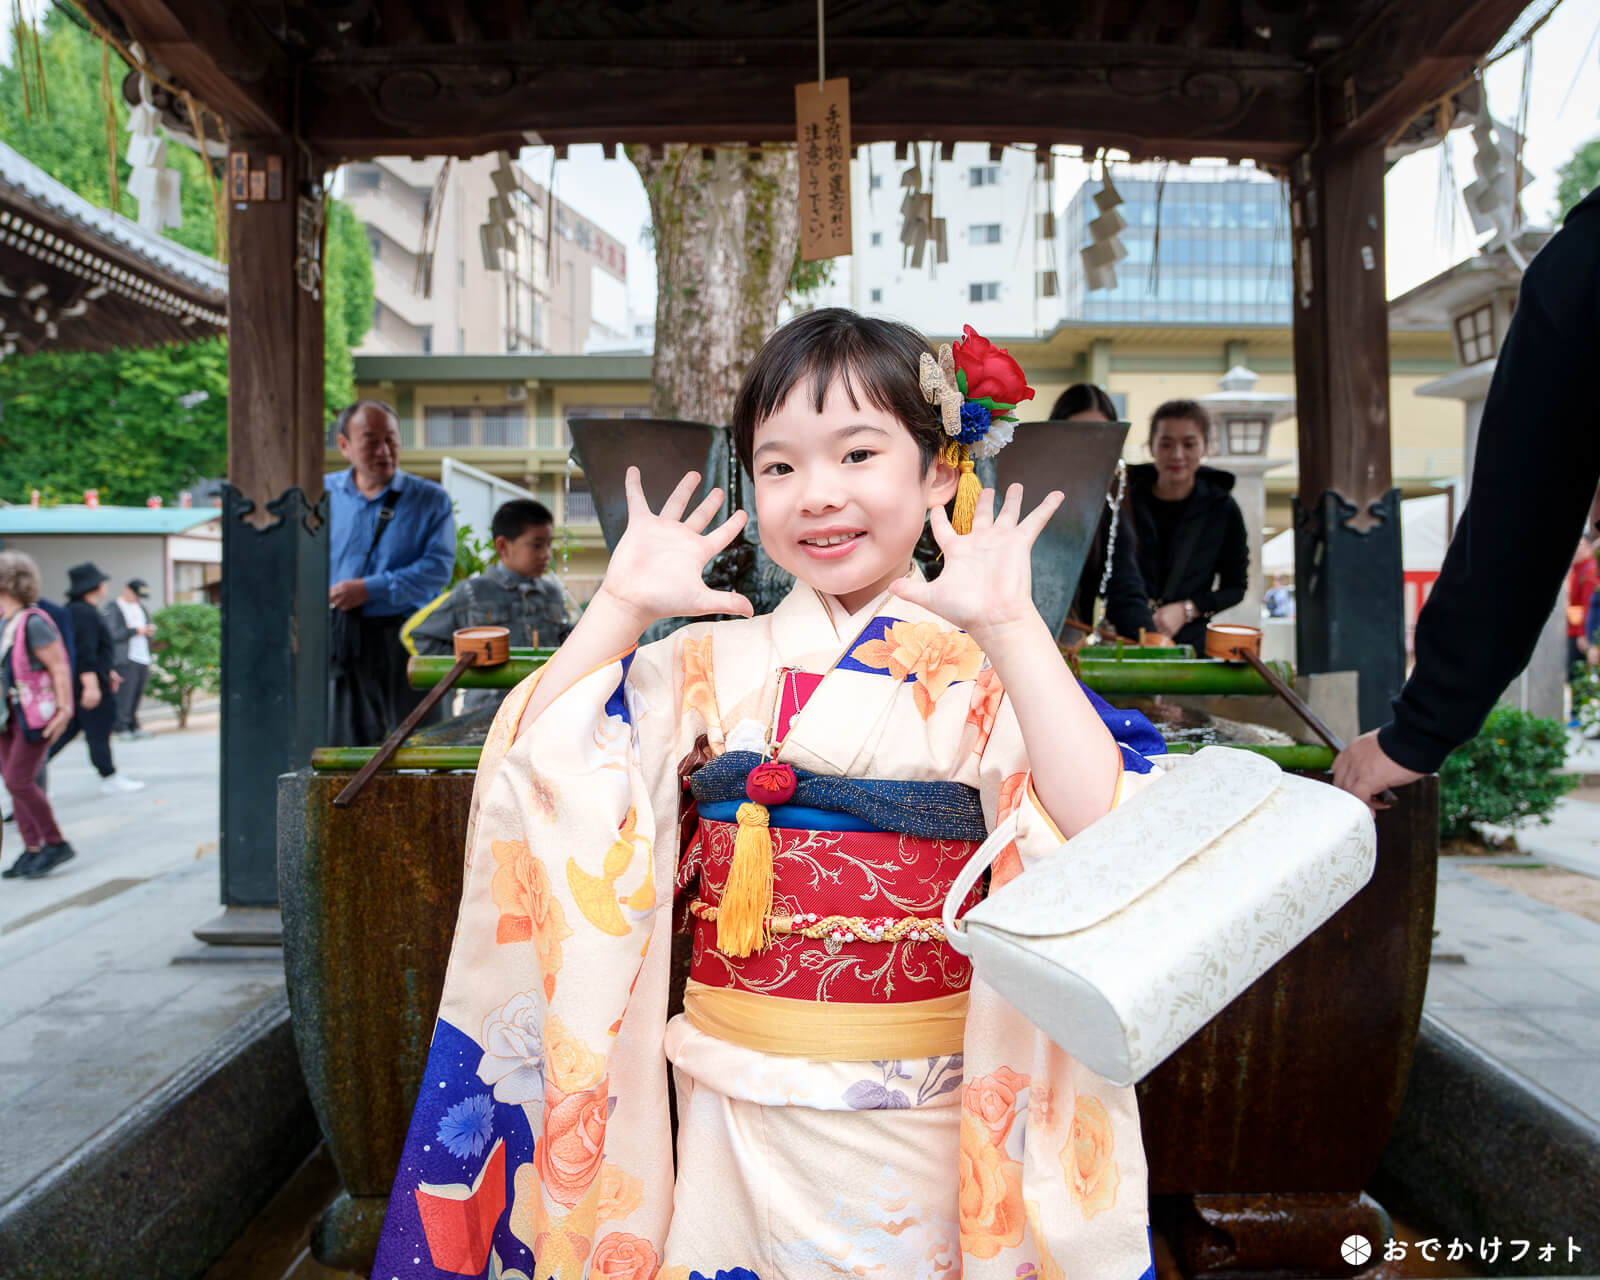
x=74, y=277
x=1264, y=79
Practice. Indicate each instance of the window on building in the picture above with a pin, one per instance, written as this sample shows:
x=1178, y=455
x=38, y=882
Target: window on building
x=875, y=183
x=984, y=291
x=468, y=426
x=877, y=239
x=580, y=502
x=365, y=177
x=877, y=295
x=427, y=339
x=1046, y=286
x=984, y=175
x=375, y=243
x=1475, y=334
x=983, y=233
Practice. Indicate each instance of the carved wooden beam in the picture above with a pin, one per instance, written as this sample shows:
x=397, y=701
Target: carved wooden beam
x=1170, y=102
x=1408, y=57
x=221, y=54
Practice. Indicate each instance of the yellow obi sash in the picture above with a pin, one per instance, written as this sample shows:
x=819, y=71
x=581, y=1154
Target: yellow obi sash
x=828, y=1031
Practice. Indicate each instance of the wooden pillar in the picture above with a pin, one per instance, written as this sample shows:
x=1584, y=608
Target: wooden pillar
x=275, y=546
x=1349, y=591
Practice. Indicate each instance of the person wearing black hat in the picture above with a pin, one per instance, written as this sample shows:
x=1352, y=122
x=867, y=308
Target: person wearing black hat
x=130, y=635
x=97, y=710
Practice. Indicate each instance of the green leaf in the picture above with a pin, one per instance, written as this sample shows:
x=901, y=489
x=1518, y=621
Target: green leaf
x=961, y=380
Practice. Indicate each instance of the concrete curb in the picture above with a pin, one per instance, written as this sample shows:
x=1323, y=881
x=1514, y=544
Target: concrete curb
x=1484, y=1152
x=161, y=1192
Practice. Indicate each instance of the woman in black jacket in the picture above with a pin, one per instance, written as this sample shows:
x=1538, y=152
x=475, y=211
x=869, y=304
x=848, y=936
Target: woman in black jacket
x=1126, y=599
x=97, y=705
x=1193, y=552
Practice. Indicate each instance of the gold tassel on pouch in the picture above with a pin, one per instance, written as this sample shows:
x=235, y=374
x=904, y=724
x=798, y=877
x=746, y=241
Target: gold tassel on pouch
x=742, y=918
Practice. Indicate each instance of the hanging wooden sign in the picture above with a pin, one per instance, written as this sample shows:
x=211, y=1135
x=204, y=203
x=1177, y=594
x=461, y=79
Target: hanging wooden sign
x=822, y=114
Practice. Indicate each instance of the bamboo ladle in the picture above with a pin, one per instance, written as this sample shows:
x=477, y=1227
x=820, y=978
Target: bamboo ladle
x=1238, y=642
x=474, y=647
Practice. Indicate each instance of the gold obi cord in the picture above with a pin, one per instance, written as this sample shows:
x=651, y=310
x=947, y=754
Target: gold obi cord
x=828, y=1031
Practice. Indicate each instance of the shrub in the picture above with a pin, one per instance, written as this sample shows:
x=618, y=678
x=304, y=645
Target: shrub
x=1510, y=773
x=1585, y=685
x=186, y=655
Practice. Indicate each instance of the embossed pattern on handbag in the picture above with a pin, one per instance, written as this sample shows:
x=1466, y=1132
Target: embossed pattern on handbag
x=1144, y=926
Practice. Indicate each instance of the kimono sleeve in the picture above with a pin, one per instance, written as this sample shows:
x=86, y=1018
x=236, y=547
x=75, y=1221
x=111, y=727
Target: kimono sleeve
x=1052, y=1170
x=543, y=1109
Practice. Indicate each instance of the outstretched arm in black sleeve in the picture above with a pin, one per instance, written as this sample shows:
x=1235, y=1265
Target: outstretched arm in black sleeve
x=1533, y=479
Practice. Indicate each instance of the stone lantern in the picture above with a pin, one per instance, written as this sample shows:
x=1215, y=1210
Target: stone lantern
x=1241, y=430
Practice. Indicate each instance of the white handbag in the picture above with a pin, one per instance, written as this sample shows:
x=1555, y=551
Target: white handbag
x=1141, y=928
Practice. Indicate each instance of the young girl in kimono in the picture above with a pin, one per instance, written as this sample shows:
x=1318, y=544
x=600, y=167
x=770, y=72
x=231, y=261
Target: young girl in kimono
x=807, y=784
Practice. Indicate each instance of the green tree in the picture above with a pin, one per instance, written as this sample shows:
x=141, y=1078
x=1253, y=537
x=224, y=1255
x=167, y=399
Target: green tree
x=348, y=298
x=1578, y=177
x=187, y=655
x=67, y=139
x=129, y=423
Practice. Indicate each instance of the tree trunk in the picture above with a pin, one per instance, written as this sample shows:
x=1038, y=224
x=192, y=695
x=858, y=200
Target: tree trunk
x=725, y=235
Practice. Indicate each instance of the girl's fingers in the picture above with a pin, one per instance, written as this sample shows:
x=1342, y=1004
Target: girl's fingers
x=911, y=589
x=1011, y=508
x=724, y=533
x=697, y=519
x=983, y=515
x=673, y=507
x=727, y=602
x=939, y=523
x=1033, y=524
x=633, y=490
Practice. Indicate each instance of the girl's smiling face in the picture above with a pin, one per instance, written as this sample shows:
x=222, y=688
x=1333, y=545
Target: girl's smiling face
x=841, y=496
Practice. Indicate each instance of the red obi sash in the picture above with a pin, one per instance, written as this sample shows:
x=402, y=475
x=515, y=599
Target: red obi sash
x=887, y=881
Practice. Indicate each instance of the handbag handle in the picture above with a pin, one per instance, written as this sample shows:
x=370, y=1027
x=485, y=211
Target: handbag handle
x=998, y=841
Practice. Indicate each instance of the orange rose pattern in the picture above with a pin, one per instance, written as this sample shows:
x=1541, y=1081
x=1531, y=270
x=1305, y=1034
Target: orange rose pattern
x=935, y=656
x=990, y=1212
x=1086, y=1159
x=621, y=1256
x=620, y=1193
x=987, y=695
x=572, y=1152
x=992, y=1101
x=569, y=1064
x=1009, y=863
x=529, y=909
x=699, y=691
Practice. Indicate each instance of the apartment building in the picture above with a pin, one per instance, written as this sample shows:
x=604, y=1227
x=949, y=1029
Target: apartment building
x=559, y=283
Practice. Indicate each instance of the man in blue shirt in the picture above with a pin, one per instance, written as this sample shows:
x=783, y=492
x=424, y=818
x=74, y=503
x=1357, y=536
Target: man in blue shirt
x=392, y=549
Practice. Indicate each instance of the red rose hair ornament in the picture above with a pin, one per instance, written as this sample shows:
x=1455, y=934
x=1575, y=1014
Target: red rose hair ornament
x=976, y=387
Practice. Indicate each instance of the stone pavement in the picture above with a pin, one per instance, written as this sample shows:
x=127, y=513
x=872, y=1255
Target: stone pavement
x=1519, y=978
x=104, y=994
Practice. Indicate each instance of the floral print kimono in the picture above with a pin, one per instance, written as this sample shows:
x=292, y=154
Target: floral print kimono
x=857, y=1107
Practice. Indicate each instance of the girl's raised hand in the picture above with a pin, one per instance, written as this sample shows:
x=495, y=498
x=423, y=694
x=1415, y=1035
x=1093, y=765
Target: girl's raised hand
x=987, y=581
x=655, y=570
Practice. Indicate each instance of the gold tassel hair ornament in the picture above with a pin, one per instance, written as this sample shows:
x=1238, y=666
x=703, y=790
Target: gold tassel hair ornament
x=976, y=387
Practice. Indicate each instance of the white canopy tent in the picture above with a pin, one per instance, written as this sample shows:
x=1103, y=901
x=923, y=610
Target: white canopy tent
x=1424, y=534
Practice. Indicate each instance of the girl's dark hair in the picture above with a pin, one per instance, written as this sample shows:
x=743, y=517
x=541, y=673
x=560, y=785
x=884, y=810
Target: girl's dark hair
x=1081, y=397
x=877, y=359
x=1189, y=410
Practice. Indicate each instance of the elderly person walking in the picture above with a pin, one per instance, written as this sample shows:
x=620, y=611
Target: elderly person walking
x=36, y=681
x=393, y=546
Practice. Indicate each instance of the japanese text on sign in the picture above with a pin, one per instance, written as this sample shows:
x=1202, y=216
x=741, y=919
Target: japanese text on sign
x=823, y=121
